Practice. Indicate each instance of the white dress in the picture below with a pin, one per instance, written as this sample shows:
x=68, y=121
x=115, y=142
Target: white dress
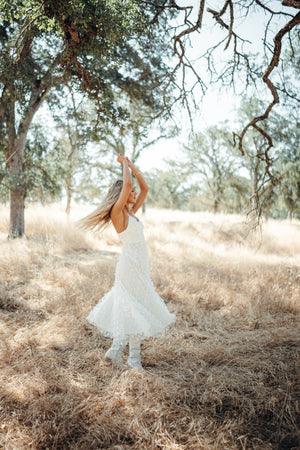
x=132, y=307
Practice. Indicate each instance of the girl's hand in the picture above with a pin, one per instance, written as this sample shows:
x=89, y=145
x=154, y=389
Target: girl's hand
x=129, y=163
x=120, y=158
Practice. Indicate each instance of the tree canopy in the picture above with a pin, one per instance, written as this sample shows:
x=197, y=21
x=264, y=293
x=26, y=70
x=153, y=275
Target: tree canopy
x=96, y=48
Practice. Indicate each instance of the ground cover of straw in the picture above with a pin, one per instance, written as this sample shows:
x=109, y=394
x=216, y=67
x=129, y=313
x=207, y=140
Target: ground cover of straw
x=224, y=377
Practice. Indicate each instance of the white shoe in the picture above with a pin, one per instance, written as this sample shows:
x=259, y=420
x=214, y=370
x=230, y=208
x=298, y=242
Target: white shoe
x=114, y=355
x=134, y=360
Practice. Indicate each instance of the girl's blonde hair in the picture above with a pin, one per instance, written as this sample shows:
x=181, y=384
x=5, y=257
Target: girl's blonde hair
x=100, y=218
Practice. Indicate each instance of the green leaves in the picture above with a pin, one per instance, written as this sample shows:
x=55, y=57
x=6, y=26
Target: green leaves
x=96, y=49
x=44, y=167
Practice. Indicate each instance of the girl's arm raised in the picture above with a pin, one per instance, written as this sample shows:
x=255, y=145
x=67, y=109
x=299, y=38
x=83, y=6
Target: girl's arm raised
x=116, y=213
x=142, y=184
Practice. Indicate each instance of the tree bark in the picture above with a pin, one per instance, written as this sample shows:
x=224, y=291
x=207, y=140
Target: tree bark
x=69, y=195
x=16, y=225
x=255, y=200
x=15, y=160
x=17, y=194
x=17, y=140
x=216, y=206
x=267, y=215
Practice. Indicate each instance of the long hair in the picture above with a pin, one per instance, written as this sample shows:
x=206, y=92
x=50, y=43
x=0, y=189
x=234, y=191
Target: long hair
x=100, y=218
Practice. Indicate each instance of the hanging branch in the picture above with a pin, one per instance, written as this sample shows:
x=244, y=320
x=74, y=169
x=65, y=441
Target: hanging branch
x=274, y=63
x=183, y=61
x=295, y=20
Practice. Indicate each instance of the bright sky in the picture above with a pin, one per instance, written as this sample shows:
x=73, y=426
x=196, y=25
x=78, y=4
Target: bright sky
x=215, y=108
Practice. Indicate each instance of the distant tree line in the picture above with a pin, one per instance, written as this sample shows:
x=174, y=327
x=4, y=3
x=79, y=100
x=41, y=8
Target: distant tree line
x=209, y=173
x=212, y=175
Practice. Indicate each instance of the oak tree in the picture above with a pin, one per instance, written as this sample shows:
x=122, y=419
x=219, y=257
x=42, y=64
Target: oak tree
x=95, y=47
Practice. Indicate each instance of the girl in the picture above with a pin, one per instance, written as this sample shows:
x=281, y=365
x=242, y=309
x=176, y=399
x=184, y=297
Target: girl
x=131, y=310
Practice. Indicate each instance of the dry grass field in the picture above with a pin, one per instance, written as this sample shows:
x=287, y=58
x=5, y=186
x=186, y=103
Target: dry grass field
x=224, y=377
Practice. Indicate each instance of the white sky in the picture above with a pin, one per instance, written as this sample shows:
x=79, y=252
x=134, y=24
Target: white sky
x=215, y=108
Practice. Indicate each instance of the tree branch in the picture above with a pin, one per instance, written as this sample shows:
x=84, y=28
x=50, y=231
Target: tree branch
x=293, y=3
x=273, y=63
x=271, y=185
x=270, y=10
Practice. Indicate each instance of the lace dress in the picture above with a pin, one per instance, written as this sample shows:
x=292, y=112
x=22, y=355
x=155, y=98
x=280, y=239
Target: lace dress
x=132, y=307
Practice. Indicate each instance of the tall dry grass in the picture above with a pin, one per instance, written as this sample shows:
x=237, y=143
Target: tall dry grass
x=224, y=377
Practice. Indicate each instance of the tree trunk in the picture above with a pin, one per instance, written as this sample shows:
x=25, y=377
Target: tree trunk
x=69, y=195
x=267, y=213
x=15, y=160
x=17, y=140
x=17, y=205
x=17, y=195
x=216, y=205
x=255, y=198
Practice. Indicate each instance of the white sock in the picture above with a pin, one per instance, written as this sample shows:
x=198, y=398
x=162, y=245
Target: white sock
x=134, y=359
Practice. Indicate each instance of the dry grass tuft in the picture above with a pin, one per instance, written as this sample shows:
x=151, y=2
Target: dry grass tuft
x=224, y=377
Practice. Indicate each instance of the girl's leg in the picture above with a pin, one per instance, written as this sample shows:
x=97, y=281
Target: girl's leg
x=114, y=354
x=134, y=359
